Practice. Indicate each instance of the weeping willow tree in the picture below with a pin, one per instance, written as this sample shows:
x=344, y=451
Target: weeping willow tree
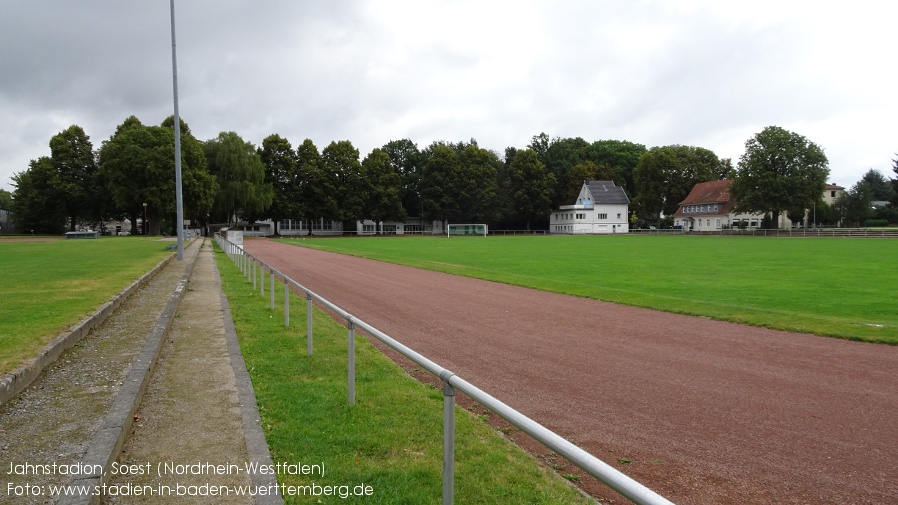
x=242, y=190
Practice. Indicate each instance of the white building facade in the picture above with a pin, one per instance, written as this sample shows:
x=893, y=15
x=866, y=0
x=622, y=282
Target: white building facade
x=601, y=208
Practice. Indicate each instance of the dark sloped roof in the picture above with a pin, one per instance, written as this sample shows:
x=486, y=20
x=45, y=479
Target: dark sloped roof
x=605, y=192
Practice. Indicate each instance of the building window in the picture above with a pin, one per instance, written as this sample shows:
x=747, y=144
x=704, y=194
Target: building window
x=603, y=216
x=718, y=223
x=618, y=215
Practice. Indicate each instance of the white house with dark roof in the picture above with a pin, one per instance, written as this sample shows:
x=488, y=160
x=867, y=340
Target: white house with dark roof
x=601, y=207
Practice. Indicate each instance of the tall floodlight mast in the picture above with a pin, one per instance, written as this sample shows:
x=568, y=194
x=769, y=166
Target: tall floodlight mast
x=179, y=224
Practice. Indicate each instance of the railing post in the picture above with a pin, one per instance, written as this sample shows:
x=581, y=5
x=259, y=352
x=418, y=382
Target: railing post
x=286, y=303
x=261, y=280
x=309, y=324
x=351, y=363
x=448, y=438
x=271, y=289
x=254, y=274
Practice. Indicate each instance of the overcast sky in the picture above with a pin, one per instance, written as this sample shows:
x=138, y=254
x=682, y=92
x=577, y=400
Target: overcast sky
x=702, y=73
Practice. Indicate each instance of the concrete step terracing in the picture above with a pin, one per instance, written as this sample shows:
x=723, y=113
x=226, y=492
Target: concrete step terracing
x=69, y=426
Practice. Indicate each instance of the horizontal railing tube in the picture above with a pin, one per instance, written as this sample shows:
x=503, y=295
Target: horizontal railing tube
x=612, y=477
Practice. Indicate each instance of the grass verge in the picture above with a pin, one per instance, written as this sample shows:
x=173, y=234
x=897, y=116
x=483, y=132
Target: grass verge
x=48, y=286
x=391, y=439
x=833, y=287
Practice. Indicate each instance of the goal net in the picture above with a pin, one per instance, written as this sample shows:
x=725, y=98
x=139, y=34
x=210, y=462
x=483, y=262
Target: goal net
x=466, y=229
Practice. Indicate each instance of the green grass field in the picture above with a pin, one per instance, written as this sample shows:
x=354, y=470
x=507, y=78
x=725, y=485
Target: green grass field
x=834, y=287
x=46, y=287
x=391, y=439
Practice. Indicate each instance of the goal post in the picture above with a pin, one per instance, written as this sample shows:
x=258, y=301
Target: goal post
x=466, y=229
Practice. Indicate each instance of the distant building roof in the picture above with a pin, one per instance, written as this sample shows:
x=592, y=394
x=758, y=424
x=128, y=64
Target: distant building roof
x=606, y=192
x=708, y=193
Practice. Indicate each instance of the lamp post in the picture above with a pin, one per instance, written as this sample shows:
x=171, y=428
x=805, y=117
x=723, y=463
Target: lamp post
x=144, y=219
x=179, y=201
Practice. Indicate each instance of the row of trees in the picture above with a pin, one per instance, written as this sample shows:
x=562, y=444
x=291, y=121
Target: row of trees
x=227, y=177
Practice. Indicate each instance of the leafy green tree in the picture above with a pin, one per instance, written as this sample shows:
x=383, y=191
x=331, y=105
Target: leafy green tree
x=531, y=186
x=36, y=203
x=342, y=159
x=126, y=161
x=477, y=188
x=540, y=145
x=725, y=170
x=879, y=185
x=779, y=170
x=242, y=190
x=320, y=191
x=559, y=155
x=198, y=185
x=437, y=185
x=895, y=182
x=383, y=188
x=797, y=215
x=458, y=147
x=282, y=173
x=664, y=177
x=583, y=171
x=407, y=161
x=137, y=164
x=5, y=200
x=506, y=215
x=73, y=158
x=822, y=213
x=853, y=205
x=622, y=156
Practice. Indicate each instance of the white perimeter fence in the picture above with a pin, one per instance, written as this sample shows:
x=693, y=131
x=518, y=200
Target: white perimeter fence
x=254, y=270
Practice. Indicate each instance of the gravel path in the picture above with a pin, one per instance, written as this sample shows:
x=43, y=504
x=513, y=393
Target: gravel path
x=700, y=411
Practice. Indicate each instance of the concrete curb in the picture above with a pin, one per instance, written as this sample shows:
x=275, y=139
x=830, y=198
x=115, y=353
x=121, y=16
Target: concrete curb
x=19, y=379
x=256, y=445
x=106, y=444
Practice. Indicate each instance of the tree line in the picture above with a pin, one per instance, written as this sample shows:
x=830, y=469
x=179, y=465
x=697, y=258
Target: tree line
x=227, y=178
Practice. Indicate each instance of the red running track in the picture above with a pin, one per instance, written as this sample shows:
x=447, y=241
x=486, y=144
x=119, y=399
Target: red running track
x=708, y=411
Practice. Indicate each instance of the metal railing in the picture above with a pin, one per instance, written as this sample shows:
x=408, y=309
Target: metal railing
x=249, y=265
x=772, y=232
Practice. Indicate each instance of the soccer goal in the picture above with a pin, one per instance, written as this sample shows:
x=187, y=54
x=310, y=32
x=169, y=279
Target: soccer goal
x=466, y=229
